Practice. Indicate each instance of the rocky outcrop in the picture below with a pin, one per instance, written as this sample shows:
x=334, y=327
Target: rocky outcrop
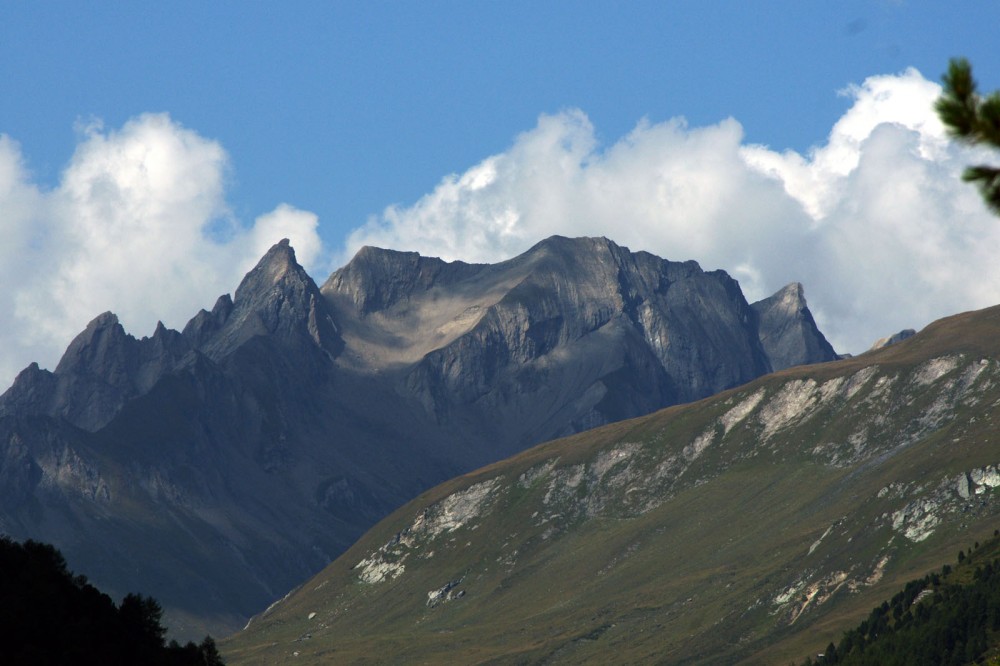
x=277, y=300
x=102, y=369
x=377, y=280
x=893, y=339
x=788, y=331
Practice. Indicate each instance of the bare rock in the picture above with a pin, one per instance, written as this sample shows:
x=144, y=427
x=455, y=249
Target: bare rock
x=788, y=331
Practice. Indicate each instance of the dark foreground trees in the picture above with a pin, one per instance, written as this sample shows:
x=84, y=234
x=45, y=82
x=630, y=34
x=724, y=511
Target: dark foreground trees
x=50, y=616
x=972, y=119
x=946, y=619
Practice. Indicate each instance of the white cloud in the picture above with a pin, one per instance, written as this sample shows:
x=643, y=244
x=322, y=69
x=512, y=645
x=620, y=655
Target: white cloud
x=138, y=225
x=876, y=222
x=285, y=221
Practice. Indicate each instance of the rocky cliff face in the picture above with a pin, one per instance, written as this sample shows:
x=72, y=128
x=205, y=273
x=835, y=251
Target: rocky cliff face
x=276, y=300
x=574, y=333
x=788, y=332
x=219, y=466
x=101, y=370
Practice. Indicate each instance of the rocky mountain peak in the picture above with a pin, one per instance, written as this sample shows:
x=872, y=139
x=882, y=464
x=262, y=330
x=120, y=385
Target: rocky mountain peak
x=788, y=331
x=790, y=298
x=580, y=255
x=893, y=339
x=277, y=298
x=377, y=279
x=276, y=268
x=100, y=340
x=205, y=324
x=575, y=246
x=102, y=369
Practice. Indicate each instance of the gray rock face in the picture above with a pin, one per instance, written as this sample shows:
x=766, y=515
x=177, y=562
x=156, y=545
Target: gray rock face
x=788, y=332
x=104, y=367
x=893, y=339
x=236, y=458
x=100, y=371
x=572, y=334
x=277, y=300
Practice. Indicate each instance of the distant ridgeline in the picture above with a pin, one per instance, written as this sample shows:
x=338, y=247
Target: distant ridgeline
x=50, y=616
x=940, y=619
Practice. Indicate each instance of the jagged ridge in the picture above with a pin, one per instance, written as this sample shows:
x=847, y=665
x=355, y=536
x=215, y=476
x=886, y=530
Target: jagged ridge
x=237, y=457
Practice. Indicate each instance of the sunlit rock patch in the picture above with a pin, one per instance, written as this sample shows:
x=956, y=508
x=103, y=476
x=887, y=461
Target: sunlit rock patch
x=453, y=512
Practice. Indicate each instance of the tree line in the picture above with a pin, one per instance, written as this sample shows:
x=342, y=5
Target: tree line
x=951, y=618
x=48, y=615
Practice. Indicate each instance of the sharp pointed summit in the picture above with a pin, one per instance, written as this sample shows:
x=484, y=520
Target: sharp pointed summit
x=277, y=266
x=789, y=332
x=277, y=298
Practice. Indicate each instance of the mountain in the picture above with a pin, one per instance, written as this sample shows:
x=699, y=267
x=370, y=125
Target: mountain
x=893, y=339
x=572, y=334
x=788, y=331
x=217, y=467
x=753, y=526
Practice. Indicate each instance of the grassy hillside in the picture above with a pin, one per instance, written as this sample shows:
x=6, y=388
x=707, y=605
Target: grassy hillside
x=752, y=526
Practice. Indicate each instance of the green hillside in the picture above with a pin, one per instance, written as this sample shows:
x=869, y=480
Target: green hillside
x=754, y=526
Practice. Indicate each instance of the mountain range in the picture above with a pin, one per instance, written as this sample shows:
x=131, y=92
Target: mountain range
x=219, y=466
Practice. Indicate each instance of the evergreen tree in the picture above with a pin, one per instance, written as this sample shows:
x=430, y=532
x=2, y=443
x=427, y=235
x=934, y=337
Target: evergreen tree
x=974, y=120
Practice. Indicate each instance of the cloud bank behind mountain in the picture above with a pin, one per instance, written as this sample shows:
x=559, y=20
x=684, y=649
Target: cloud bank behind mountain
x=875, y=220
x=138, y=224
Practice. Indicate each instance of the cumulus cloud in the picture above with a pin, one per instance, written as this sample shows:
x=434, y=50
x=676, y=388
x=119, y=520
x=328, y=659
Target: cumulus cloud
x=138, y=224
x=875, y=221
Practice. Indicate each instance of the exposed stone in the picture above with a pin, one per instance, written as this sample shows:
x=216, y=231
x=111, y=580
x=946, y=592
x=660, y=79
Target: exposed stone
x=893, y=339
x=788, y=331
x=963, y=487
x=741, y=410
x=446, y=592
x=936, y=368
x=606, y=332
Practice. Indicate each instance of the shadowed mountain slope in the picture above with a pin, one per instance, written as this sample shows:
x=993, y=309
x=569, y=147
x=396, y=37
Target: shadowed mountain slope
x=220, y=466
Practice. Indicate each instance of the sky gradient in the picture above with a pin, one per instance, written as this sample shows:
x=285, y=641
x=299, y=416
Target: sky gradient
x=150, y=152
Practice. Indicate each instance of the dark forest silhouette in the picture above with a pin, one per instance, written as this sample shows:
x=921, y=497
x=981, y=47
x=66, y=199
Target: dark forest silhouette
x=48, y=615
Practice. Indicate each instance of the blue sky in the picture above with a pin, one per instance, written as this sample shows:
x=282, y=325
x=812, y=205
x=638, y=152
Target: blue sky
x=343, y=108
x=342, y=123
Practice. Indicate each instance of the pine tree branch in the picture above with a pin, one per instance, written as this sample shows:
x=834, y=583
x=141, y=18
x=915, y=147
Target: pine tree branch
x=987, y=179
x=973, y=120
